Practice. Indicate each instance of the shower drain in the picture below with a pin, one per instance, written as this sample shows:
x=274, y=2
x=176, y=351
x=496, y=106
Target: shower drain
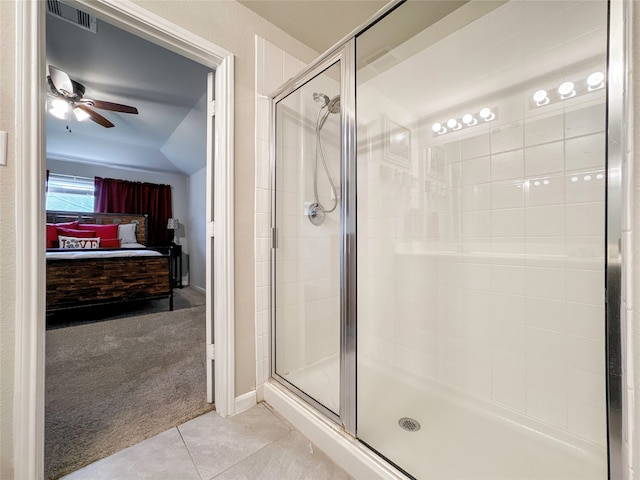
x=409, y=424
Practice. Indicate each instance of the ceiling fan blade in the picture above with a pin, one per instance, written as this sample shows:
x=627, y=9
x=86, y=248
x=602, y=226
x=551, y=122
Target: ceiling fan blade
x=61, y=82
x=95, y=116
x=114, y=107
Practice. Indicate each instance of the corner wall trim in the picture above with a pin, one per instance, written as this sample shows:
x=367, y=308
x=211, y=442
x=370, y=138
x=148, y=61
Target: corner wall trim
x=245, y=401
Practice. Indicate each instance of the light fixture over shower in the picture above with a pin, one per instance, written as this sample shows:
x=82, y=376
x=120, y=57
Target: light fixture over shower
x=569, y=89
x=485, y=114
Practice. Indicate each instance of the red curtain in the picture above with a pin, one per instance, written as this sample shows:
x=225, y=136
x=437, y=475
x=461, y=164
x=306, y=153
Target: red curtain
x=123, y=196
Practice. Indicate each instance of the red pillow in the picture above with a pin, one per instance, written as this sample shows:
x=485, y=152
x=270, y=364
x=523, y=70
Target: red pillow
x=110, y=242
x=52, y=232
x=102, y=231
x=70, y=232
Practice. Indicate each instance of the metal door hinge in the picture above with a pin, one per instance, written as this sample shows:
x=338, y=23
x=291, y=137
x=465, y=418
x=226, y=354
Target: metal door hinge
x=211, y=110
x=211, y=229
x=211, y=352
x=274, y=237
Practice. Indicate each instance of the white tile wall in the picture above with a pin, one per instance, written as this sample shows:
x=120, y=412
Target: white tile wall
x=510, y=282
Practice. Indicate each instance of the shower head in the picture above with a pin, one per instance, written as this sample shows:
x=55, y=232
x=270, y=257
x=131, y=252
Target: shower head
x=334, y=104
x=321, y=98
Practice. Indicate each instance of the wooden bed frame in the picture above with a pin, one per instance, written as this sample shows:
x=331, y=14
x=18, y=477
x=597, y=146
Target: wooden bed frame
x=83, y=282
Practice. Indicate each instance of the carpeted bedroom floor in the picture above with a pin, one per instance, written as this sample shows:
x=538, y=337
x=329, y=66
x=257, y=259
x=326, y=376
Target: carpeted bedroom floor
x=115, y=380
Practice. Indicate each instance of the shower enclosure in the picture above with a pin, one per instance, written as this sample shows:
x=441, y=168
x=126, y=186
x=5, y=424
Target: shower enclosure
x=440, y=182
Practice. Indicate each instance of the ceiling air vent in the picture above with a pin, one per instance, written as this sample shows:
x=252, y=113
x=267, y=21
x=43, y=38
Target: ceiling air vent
x=72, y=15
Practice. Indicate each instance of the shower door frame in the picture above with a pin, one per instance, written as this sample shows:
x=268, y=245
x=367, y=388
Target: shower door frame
x=619, y=112
x=344, y=55
x=617, y=200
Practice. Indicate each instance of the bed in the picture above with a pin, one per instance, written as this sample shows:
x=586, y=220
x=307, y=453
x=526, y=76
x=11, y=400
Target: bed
x=86, y=267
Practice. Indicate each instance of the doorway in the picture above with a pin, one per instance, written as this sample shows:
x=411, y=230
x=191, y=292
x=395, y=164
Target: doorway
x=30, y=301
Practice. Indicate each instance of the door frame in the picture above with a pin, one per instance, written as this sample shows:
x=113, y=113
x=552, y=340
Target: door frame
x=28, y=419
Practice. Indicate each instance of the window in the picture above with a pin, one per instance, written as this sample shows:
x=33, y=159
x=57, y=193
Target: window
x=68, y=193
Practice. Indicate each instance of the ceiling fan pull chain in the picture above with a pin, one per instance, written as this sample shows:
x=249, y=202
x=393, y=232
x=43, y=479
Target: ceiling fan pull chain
x=68, y=115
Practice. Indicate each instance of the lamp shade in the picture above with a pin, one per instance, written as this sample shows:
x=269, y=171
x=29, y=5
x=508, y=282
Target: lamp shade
x=172, y=224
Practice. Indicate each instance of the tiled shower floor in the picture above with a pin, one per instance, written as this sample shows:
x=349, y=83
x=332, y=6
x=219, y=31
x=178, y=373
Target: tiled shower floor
x=255, y=444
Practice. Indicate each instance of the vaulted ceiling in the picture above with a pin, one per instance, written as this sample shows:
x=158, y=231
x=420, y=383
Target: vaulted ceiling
x=116, y=66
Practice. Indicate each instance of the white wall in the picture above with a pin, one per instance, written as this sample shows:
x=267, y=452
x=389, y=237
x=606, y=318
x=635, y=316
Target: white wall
x=197, y=229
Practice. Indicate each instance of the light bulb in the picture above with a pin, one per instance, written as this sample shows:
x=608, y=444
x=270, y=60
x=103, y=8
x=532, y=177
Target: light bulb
x=58, y=113
x=59, y=104
x=574, y=179
x=536, y=183
x=587, y=177
x=595, y=81
x=80, y=114
x=486, y=114
x=566, y=90
x=436, y=127
x=546, y=182
x=600, y=176
x=453, y=124
x=59, y=108
x=469, y=120
x=541, y=97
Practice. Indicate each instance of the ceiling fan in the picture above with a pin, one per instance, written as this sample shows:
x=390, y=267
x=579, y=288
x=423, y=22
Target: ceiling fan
x=69, y=95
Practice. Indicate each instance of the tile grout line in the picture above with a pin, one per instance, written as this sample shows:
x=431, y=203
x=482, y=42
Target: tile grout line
x=251, y=455
x=189, y=452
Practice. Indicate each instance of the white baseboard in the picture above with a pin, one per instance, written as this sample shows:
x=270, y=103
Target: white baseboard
x=356, y=459
x=245, y=401
x=202, y=289
x=260, y=393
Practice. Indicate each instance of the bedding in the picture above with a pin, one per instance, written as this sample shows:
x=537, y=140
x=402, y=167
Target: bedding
x=112, y=243
x=102, y=231
x=126, y=223
x=70, y=232
x=78, y=242
x=127, y=233
x=132, y=245
x=52, y=232
x=69, y=254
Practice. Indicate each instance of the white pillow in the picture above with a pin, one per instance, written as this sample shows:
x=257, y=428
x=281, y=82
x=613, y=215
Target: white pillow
x=75, y=242
x=127, y=233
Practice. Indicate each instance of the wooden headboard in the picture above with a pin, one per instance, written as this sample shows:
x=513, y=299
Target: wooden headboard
x=103, y=219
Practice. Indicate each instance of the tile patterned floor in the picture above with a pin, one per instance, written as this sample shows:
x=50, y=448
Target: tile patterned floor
x=255, y=444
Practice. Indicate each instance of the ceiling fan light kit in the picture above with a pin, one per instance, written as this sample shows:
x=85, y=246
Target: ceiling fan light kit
x=69, y=95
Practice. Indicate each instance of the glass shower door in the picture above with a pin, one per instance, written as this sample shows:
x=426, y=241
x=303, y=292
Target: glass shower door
x=306, y=262
x=481, y=221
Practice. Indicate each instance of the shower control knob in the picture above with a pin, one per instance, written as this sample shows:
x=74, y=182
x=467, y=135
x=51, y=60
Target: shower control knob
x=315, y=213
